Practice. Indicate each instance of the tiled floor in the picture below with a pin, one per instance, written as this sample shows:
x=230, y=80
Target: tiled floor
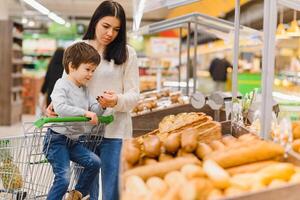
x=16, y=129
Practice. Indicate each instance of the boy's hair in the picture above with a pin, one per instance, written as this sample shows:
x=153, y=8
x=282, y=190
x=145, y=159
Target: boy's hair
x=79, y=53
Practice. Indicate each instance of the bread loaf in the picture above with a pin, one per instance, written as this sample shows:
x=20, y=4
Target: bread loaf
x=249, y=168
x=248, y=153
x=161, y=168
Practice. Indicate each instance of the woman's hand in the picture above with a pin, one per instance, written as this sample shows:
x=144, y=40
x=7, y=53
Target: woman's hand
x=108, y=99
x=50, y=111
x=93, y=116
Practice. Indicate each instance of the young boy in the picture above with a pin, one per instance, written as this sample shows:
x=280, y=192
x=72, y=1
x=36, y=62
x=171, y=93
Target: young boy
x=63, y=144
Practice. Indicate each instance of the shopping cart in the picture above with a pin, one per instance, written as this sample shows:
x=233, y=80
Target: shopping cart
x=24, y=170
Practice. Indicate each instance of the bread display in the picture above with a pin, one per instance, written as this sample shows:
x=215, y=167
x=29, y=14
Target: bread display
x=155, y=100
x=188, y=158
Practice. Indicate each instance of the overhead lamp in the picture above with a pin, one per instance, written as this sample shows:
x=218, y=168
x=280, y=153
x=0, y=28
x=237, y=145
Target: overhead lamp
x=294, y=29
x=280, y=32
x=56, y=18
x=45, y=11
x=24, y=20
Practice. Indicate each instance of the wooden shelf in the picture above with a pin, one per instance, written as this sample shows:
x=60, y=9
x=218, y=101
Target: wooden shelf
x=17, y=61
x=16, y=89
x=16, y=75
x=17, y=103
x=11, y=62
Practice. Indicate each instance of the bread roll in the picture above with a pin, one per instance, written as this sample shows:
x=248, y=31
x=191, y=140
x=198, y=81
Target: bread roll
x=229, y=140
x=296, y=145
x=217, y=145
x=172, y=143
x=191, y=171
x=248, y=137
x=152, y=146
x=131, y=151
x=296, y=129
x=164, y=157
x=202, y=150
x=189, y=140
x=157, y=186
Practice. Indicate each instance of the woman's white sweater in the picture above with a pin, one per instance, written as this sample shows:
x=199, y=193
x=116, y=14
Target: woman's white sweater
x=124, y=80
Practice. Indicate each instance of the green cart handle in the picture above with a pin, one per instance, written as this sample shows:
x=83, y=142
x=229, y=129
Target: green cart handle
x=102, y=119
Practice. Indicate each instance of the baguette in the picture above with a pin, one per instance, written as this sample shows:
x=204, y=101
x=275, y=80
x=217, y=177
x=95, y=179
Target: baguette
x=248, y=153
x=161, y=168
x=250, y=168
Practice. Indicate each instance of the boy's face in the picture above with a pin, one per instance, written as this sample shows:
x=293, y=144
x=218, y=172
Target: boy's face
x=83, y=73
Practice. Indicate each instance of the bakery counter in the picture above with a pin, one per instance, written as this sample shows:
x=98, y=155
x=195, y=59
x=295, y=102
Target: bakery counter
x=188, y=156
x=149, y=121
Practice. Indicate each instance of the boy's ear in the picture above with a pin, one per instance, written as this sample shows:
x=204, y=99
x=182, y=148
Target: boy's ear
x=70, y=66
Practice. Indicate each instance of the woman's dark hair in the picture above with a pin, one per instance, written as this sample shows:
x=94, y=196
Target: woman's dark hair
x=117, y=49
x=54, y=72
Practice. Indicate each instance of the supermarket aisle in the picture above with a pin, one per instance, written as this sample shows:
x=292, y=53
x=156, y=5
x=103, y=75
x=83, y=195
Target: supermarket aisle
x=16, y=129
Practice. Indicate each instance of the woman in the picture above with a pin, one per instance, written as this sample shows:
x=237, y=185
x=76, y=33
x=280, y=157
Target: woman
x=117, y=79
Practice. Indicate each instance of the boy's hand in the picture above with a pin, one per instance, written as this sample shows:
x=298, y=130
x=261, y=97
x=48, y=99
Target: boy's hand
x=93, y=116
x=50, y=111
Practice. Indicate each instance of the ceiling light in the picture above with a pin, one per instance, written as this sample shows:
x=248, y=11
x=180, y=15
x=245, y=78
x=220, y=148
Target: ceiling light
x=56, y=18
x=68, y=25
x=39, y=7
x=31, y=23
x=45, y=11
x=24, y=21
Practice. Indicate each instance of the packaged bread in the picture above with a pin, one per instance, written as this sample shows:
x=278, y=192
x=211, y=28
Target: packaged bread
x=248, y=153
x=173, y=122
